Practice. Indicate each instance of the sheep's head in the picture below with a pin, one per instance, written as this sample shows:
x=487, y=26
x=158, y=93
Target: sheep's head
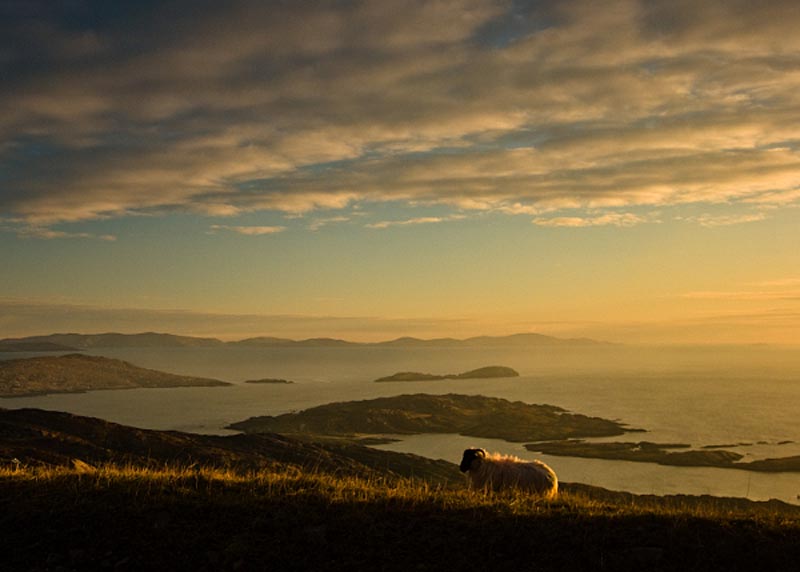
x=471, y=459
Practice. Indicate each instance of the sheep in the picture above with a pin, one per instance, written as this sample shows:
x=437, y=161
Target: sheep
x=496, y=472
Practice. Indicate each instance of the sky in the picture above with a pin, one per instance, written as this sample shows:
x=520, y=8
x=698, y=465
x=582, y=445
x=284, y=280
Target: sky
x=624, y=170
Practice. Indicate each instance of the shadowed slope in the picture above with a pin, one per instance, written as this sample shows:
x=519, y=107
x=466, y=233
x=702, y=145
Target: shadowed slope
x=47, y=437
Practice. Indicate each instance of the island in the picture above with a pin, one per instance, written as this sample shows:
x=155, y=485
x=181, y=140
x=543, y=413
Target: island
x=489, y=372
x=472, y=415
x=78, y=373
x=675, y=454
x=269, y=380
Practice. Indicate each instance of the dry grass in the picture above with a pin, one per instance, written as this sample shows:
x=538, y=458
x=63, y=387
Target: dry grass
x=206, y=518
x=289, y=481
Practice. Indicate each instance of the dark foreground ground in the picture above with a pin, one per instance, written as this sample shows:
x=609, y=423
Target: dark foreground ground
x=204, y=520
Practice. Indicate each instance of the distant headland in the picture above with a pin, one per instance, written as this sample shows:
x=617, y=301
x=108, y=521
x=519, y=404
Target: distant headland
x=78, y=373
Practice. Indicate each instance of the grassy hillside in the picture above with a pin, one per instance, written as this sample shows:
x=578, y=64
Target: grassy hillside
x=41, y=438
x=127, y=518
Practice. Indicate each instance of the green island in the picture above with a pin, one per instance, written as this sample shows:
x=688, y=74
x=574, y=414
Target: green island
x=489, y=372
x=268, y=380
x=79, y=373
x=472, y=415
x=88, y=494
x=663, y=454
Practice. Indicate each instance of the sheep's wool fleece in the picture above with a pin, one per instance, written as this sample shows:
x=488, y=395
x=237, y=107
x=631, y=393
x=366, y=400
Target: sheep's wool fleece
x=497, y=472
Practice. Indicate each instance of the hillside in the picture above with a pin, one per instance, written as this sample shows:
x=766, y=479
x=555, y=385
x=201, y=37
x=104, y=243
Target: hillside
x=49, y=437
x=473, y=415
x=212, y=520
x=172, y=501
x=78, y=373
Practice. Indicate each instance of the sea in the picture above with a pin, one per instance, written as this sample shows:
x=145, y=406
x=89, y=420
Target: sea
x=746, y=398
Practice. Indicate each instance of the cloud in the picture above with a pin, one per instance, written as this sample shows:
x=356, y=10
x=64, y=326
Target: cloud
x=744, y=296
x=318, y=223
x=776, y=198
x=787, y=289
x=298, y=107
x=249, y=230
x=779, y=283
x=607, y=219
x=768, y=326
x=414, y=221
x=711, y=221
x=50, y=234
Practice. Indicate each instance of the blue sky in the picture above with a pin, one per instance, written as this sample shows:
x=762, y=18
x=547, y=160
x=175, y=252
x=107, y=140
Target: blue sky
x=626, y=170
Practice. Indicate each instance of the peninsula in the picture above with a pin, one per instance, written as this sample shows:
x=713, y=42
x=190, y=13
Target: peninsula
x=269, y=380
x=490, y=372
x=78, y=373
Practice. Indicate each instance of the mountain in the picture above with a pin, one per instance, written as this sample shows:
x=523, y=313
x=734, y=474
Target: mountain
x=511, y=341
x=75, y=373
x=409, y=342
x=114, y=340
x=151, y=339
x=283, y=342
x=263, y=341
x=529, y=339
x=34, y=436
